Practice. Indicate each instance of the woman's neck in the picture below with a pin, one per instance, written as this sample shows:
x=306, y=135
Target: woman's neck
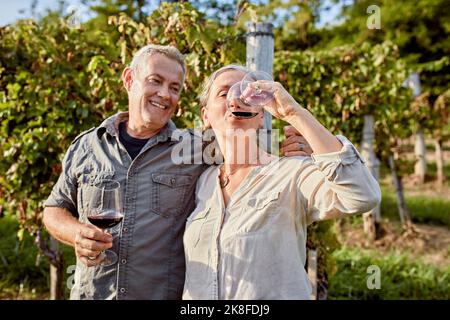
x=241, y=150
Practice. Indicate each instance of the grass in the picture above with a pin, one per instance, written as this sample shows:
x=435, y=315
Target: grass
x=400, y=277
x=432, y=148
x=429, y=210
x=24, y=273
x=407, y=169
x=432, y=170
x=20, y=265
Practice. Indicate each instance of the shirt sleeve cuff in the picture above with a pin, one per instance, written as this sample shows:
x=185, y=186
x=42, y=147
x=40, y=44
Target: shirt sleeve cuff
x=328, y=162
x=61, y=204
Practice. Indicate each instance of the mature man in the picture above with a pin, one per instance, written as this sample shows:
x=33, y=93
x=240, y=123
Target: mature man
x=133, y=148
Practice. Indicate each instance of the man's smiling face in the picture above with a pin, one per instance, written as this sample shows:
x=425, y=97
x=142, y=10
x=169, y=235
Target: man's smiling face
x=154, y=92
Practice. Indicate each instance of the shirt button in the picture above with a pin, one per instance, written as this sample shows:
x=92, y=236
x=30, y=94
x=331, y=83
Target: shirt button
x=125, y=229
x=123, y=290
x=123, y=261
x=172, y=181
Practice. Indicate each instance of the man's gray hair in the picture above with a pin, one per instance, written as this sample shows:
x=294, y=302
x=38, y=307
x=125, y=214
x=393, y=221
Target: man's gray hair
x=170, y=52
x=206, y=89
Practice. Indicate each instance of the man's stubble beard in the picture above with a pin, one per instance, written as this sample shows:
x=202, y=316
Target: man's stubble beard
x=147, y=117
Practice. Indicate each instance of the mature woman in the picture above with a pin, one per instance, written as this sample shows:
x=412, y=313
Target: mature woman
x=246, y=238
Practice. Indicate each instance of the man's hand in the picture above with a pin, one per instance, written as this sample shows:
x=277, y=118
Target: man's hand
x=90, y=241
x=295, y=144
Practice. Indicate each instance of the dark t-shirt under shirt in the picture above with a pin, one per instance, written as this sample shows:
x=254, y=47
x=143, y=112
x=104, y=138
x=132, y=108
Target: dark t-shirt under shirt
x=133, y=145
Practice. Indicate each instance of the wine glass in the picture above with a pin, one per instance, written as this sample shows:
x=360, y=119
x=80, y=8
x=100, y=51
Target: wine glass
x=106, y=212
x=237, y=106
x=254, y=96
x=246, y=102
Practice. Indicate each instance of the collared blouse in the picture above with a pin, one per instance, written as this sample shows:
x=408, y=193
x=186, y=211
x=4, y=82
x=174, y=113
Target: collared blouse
x=255, y=248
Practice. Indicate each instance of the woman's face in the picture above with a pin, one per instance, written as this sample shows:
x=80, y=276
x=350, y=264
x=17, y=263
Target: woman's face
x=217, y=115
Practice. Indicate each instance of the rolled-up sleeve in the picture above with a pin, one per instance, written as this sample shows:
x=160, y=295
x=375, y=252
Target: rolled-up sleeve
x=338, y=183
x=64, y=192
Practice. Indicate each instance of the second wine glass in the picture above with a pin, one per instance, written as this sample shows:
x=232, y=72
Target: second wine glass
x=106, y=212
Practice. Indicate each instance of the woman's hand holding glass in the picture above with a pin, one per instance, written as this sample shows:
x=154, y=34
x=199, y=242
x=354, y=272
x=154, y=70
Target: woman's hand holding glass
x=282, y=106
x=246, y=101
x=257, y=91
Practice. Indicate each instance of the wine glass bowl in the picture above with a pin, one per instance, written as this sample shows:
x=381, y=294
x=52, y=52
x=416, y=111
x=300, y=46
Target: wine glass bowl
x=237, y=106
x=106, y=211
x=106, y=220
x=245, y=100
x=255, y=96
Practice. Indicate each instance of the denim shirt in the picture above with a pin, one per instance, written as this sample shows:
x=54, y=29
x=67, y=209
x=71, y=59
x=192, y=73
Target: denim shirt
x=158, y=195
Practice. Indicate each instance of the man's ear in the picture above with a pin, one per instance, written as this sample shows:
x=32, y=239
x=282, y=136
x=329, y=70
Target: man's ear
x=204, y=114
x=127, y=78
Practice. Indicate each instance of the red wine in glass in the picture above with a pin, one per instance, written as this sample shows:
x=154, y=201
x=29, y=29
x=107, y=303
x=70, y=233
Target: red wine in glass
x=106, y=211
x=106, y=220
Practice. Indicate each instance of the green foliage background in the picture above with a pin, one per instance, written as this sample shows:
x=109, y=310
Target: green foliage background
x=57, y=80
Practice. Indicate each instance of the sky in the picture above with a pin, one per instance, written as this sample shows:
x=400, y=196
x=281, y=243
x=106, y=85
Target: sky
x=11, y=11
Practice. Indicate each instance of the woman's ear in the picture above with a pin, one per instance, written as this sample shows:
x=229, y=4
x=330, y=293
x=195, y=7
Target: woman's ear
x=204, y=114
x=127, y=78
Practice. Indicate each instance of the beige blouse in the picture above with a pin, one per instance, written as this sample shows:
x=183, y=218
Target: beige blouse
x=255, y=248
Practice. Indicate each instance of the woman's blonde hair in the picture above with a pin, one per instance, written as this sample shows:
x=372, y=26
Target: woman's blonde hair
x=206, y=88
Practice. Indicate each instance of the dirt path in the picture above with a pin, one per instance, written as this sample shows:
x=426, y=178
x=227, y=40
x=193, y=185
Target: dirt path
x=431, y=244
